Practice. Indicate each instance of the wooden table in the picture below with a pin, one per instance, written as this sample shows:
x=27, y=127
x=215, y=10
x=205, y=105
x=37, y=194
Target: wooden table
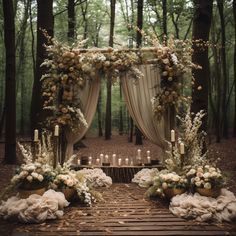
x=119, y=174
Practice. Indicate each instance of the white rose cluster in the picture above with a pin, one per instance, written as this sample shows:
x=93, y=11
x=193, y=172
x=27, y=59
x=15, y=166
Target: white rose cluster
x=206, y=176
x=65, y=179
x=172, y=180
x=96, y=177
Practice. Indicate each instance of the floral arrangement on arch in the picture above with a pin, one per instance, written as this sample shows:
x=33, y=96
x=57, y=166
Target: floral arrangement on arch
x=68, y=71
x=174, y=61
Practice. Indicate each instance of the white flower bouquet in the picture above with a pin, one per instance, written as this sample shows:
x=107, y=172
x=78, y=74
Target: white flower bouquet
x=206, y=176
x=35, y=172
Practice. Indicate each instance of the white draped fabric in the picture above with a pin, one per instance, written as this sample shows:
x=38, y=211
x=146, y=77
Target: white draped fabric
x=138, y=100
x=89, y=98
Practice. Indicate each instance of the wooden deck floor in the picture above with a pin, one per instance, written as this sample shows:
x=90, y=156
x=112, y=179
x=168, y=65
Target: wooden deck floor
x=124, y=211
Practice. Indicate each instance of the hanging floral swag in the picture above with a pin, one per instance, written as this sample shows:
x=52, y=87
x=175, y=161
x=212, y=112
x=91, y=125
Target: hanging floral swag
x=174, y=59
x=68, y=72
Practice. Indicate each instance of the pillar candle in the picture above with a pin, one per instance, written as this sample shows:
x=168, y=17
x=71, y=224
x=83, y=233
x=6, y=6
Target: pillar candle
x=148, y=159
x=106, y=158
x=119, y=162
x=114, y=159
x=101, y=157
x=181, y=147
x=56, y=130
x=98, y=161
x=148, y=153
x=36, y=135
x=127, y=161
x=78, y=162
x=90, y=163
x=172, y=136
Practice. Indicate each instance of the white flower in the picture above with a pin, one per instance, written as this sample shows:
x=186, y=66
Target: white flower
x=29, y=178
x=40, y=178
x=35, y=175
x=197, y=179
x=206, y=175
x=191, y=172
x=164, y=185
x=207, y=185
x=198, y=184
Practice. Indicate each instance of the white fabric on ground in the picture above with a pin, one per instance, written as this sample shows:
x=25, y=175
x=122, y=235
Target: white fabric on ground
x=35, y=208
x=201, y=208
x=144, y=177
x=96, y=177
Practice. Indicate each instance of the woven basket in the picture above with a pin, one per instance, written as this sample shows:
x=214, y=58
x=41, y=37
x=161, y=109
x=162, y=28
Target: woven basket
x=171, y=192
x=215, y=192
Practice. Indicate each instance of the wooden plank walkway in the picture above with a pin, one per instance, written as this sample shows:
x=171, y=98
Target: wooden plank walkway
x=123, y=211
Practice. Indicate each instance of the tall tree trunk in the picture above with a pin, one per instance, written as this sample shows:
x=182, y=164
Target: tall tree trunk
x=224, y=70
x=234, y=11
x=21, y=65
x=201, y=29
x=217, y=75
x=10, y=88
x=164, y=17
x=121, y=125
x=44, y=21
x=100, y=132
x=109, y=82
x=71, y=19
x=138, y=133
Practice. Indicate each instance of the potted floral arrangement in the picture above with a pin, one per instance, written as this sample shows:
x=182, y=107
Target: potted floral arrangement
x=172, y=184
x=71, y=183
x=207, y=180
x=33, y=175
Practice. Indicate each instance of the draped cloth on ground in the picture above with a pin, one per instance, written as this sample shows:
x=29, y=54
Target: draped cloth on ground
x=89, y=98
x=138, y=100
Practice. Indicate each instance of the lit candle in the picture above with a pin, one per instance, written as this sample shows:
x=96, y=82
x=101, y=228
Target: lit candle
x=90, y=163
x=114, y=159
x=131, y=162
x=56, y=130
x=139, y=152
x=78, y=162
x=101, y=157
x=90, y=158
x=148, y=153
x=106, y=159
x=181, y=147
x=172, y=136
x=148, y=159
x=119, y=162
x=127, y=161
x=36, y=135
x=98, y=161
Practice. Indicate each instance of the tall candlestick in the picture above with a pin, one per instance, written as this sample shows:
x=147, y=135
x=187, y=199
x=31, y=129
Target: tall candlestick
x=181, y=147
x=56, y=130
x=172, y=136
x=36, y=135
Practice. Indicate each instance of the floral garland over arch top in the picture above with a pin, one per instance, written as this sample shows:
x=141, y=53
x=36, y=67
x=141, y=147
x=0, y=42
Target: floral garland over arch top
x=69, y=68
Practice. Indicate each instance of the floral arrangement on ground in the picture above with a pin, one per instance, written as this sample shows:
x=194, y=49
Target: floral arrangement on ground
x=191, y=181
x=41, y=185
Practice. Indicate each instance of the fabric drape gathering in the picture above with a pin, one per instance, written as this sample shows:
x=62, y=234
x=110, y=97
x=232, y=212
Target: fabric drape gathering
x=89, y=98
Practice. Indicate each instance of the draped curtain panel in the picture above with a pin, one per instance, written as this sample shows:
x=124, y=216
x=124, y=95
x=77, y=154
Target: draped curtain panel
x=138, y=96
x=89, y=98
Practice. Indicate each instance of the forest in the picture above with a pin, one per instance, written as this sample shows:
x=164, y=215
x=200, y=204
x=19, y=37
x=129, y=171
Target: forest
x=72, y=20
